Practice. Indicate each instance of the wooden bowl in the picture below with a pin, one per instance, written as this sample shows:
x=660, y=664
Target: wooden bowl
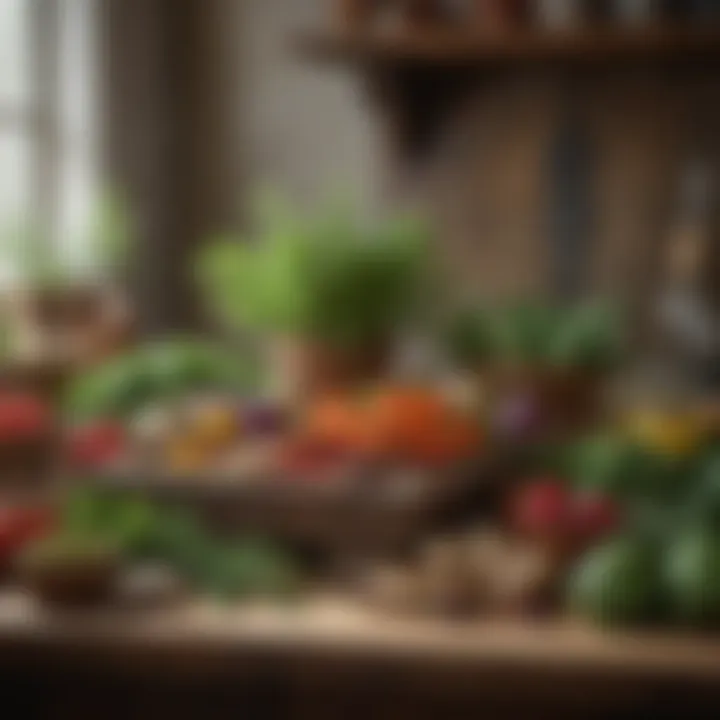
x=79, y=581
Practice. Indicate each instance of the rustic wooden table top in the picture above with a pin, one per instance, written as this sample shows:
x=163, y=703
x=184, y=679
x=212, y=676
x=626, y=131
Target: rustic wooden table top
x=195, y=635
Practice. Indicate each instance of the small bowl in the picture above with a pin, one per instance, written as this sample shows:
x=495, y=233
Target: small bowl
x=77, y=580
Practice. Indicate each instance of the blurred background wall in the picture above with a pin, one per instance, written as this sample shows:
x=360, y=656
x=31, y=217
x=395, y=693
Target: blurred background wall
x=307, y=131
x=538, y=180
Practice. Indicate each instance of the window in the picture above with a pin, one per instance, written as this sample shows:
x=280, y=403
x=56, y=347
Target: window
x=47, y=125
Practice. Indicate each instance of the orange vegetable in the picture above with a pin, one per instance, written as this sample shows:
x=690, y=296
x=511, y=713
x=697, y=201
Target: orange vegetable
x=408, y=423
x=336, y=420
x=401, y=420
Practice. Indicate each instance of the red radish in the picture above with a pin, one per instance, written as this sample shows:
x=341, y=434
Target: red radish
x=541, y=508
x=593, y=516
x=98, y=444
x=36, y=522
x=22, y=417
x=20, y=526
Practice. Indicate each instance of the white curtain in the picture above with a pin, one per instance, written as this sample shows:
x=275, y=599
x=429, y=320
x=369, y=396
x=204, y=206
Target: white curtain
x=48, y=140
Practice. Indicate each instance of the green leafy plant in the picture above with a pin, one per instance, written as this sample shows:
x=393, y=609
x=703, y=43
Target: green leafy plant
x=538, y=334
x=588, y=336
x=229, y=569
x=327, y=276
x=523, y=332
x=469, y=338
x=160, y=371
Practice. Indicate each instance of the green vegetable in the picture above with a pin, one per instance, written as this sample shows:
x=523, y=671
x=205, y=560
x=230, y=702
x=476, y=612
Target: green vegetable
x=154, y=374
x=605, y=463
x=251, y=568
x=618, y=583
x=128, y=524
x=703, y=503
x=692, y=572
x=228, y=569
x=326, y=277
x=614, y=465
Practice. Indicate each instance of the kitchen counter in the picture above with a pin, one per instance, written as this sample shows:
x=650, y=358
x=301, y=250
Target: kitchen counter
x=327, y=643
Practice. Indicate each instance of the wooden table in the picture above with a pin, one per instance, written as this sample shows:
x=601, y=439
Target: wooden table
x=329, y=658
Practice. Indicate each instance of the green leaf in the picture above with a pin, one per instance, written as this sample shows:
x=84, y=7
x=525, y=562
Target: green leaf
x=326, y=276
x=588, y=336
x=156, y=373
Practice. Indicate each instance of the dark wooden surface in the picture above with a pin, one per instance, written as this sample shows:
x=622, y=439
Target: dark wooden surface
x=328, y=659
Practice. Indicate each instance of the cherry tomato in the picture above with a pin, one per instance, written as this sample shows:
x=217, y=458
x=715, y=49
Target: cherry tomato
x=20, y=526
x=593, y=516
x=97, y=444
x=541, y=508
x=22, y=416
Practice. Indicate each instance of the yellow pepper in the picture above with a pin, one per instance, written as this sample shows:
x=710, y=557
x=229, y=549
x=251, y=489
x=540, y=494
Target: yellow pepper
x=184, y=455
x=215, y=427
x=676, y=434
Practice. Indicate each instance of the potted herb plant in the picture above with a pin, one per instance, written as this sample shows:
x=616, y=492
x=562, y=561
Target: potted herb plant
x=330, y=292
x=586, y=346
x=56, y=310
x=544, y=363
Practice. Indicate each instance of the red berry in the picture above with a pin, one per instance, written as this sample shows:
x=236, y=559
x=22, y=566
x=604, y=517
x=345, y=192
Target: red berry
x=541, y=508
x=22, y=416
x=21, y=525
x=35, y=522
x=97, y=444
x=593, y=516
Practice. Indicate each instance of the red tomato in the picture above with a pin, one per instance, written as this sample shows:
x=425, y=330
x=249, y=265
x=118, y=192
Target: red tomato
x=541, y=508
x=36, y=522
x=593, y=516
x=97, y=444
x=22, y=416
x=20, y=526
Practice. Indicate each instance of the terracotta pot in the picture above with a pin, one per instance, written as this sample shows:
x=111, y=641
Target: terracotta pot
x=567, y=398
x=305, y=368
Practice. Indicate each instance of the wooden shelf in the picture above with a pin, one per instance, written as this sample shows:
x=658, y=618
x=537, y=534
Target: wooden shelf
x=465, y=47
